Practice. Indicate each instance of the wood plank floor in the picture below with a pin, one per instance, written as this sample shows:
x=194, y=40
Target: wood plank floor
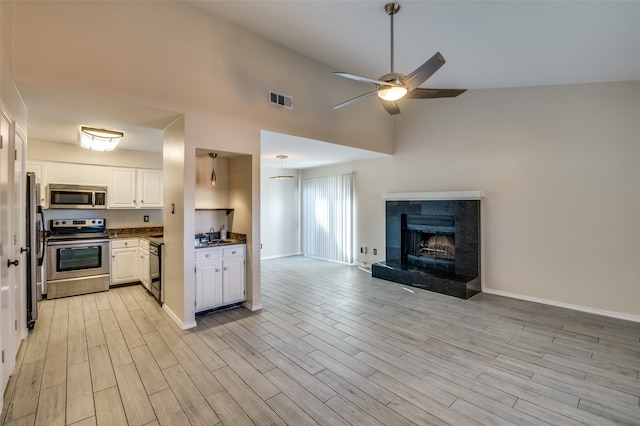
x=332, y=346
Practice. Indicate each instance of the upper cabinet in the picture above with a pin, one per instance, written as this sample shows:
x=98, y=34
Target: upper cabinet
x=149, y=188
x=122, y=191
x=135, y=189
x=128, y=188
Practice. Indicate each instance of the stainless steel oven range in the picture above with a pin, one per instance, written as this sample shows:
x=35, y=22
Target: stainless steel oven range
x=77, y=257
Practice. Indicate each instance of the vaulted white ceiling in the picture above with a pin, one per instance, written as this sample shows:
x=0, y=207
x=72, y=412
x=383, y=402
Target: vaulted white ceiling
x=487, y=44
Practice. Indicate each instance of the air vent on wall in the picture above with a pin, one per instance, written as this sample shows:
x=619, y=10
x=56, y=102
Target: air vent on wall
x=280, y=99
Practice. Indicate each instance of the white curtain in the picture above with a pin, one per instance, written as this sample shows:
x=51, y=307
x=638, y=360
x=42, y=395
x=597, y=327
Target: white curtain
x=327, y=217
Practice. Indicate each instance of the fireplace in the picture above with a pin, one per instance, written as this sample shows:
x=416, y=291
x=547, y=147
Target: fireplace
x=434, y=245
x=428, y=241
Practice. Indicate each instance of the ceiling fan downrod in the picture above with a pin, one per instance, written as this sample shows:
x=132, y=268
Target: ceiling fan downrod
x=391, y=9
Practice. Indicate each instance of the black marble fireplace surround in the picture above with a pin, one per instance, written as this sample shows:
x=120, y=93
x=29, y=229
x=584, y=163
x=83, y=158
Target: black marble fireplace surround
x=433, y=245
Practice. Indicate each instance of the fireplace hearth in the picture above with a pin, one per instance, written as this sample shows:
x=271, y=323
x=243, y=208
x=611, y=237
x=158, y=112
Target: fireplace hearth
x=434, y=245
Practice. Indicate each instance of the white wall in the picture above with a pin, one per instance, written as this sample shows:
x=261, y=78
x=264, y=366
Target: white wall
x=559, y=167
x=40, y=150
x=279, y=214
x=10, y=99
x=207, y=196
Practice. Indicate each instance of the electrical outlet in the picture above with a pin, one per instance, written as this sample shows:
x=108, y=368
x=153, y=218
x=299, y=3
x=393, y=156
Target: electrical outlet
x=363, y=249
x=375, y=252
x=146, y=218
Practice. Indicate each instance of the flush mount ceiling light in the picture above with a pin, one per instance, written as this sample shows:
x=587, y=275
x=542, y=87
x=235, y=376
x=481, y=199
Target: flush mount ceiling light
x=282, y=175
x=99, y=139
x=213, y=168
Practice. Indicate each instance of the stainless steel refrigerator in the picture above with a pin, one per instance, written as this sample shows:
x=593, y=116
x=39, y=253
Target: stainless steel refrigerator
x=35, y=248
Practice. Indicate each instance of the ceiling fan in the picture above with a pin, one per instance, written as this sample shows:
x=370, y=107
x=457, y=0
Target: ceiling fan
x=395, y=86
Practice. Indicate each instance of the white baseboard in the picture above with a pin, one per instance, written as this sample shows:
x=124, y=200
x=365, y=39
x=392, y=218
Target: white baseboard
x=178, y=321
x=251, y=307
x=555, y=303
x=280, y=256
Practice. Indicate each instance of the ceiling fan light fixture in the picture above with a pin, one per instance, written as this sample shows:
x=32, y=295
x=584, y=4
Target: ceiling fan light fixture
x=282, y=175
x=96, y=139
x=392, y=93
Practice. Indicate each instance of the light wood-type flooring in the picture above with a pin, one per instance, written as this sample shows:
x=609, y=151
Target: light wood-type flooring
x=332, y=346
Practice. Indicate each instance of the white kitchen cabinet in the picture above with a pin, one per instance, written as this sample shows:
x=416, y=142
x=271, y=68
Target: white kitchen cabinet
x=135, y=188
x=220, y=276
x=233, y=275
x=144, y=272
x=208, y=279
x=122, y=191
x=149, y=192
x=124, y=261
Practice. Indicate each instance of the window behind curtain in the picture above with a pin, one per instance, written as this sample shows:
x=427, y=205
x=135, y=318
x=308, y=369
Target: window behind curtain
x=327, y=217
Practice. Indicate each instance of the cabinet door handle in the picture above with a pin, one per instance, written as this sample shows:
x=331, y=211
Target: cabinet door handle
x=14, y=263
x=225, y=268
x=233, y=252
x=217, y=270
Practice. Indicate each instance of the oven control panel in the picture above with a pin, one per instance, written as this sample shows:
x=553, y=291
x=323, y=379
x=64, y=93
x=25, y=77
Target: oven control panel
x=61, y=223
x=76, y=223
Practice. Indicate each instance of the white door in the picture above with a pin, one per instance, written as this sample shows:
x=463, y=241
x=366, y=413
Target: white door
x=19, y=219
x=6, y=254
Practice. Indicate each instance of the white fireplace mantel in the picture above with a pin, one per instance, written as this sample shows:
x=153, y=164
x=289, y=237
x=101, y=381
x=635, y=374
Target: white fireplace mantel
x=443, y=195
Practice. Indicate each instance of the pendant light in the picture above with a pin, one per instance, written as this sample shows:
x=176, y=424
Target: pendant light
x=282, y=175
x=213, y=168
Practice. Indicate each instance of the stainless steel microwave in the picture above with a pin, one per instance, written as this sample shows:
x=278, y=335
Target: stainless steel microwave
x=66, y=196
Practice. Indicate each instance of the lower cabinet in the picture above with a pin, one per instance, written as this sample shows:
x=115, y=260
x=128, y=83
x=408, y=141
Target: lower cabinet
x=124, y=260
x=220, y=276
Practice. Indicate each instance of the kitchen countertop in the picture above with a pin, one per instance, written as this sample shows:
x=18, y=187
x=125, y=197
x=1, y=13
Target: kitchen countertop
x=216, y=243
x=154, y=235
x=151, y=234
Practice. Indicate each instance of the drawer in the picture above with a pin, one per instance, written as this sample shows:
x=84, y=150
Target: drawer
x=144, y=244
x=208, y=254
x=124, y=243
x=233, y=251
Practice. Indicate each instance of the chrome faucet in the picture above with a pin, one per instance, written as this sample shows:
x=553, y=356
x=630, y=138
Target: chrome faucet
x=211, y=231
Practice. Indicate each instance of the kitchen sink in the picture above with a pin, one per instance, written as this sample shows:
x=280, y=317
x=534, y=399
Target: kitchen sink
x=212, y=242
x=205, y=243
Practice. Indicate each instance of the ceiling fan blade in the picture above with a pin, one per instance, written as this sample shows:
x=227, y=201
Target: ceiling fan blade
x=391, y=107
x=421, y=93
x=357, y=98
x=365, y=79
x=424, y=71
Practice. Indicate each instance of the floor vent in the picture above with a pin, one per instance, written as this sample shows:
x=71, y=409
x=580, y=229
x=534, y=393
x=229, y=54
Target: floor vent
x=280, y=100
